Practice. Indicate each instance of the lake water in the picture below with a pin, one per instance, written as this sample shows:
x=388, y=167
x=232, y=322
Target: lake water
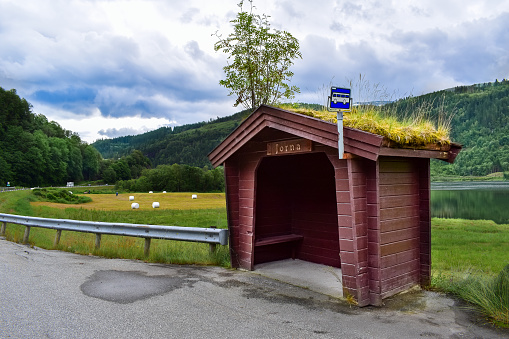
x=471, y=200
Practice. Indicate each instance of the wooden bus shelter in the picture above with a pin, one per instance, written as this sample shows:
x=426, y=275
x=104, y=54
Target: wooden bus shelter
x=290, y=196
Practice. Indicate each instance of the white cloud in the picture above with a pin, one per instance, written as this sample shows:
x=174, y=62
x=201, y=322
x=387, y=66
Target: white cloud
x=143, y=59
x=96, y=126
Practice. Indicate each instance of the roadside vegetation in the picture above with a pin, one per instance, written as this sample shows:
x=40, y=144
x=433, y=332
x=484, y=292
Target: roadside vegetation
x=469, y=257
x=59, y=195
x=176, y=210
x=470, y=260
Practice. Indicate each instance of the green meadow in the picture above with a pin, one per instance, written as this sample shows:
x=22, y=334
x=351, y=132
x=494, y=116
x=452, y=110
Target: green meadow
x=176, y=210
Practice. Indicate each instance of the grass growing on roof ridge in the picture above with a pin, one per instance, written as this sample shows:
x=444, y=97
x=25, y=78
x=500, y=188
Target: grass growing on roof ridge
x=413, y=131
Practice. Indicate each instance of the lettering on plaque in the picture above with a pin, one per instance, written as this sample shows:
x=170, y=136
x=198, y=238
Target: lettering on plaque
x=289, y=146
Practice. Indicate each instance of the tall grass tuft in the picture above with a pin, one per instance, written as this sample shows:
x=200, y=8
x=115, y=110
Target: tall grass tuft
x=413, y=131
x=489, y=294
x=418, y=124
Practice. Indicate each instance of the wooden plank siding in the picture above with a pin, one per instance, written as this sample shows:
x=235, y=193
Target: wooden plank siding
x=423, y=166
x=231, y=173
x=400, y=228
x=351, y=196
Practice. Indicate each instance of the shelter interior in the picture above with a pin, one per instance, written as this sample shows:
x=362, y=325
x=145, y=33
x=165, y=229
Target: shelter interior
x=296, y=195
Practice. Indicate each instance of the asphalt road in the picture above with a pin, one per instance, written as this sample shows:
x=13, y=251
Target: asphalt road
x=52, y=294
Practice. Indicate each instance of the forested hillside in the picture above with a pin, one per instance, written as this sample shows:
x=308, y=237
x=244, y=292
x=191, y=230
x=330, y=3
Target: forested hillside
x=188, y=144
x=35, y=151
x=479, y=118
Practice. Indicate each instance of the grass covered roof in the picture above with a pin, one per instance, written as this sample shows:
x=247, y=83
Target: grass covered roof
x=416, y=131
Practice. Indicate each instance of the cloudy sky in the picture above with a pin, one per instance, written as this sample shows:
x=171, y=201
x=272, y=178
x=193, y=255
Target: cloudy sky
x=106, y=68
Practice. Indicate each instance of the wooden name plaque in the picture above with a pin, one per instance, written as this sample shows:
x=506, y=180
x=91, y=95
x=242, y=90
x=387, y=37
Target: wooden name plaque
x=289, y=147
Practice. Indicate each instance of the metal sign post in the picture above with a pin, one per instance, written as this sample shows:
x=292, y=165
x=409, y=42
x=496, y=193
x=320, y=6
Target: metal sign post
x=340, y=101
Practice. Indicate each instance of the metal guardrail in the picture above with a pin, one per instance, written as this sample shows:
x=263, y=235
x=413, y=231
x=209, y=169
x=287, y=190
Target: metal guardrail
x=195, y=234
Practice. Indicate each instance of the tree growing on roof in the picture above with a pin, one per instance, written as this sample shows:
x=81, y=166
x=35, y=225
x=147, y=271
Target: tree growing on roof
x=259, y=60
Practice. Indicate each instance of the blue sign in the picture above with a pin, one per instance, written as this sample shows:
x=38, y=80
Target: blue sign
x=340, y=99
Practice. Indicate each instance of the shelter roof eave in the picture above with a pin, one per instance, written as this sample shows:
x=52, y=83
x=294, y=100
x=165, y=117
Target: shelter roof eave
x=357, y=142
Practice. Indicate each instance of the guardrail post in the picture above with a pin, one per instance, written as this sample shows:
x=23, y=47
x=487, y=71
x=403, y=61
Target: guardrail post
x=57, y=238
x=97, y=241
x=4, y=226
x=212, y=247
x=27, y=235
x=146, y=250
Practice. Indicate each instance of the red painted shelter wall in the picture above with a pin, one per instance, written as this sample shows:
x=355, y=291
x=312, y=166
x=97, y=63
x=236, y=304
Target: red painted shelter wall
x=400, y=191
x=295, y=194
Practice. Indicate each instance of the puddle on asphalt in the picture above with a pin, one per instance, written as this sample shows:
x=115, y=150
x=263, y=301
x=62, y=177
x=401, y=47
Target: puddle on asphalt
x=127, y=287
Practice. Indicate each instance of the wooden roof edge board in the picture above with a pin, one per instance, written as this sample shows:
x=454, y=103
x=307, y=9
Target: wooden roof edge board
x=454, y=151
x=360, y=152
x=300, y=129
x=448, y=155
x=218, y=158
x=366, y=137
x=413, y=153
x=298, y=115
x=323, y=127
x=235, y=141
x=359, y=145
x=234, y=134
x=303, y=134
x=265, y=113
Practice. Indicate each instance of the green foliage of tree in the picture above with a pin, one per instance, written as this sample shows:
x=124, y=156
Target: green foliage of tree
x=109, y=175
x=91, y=160
x=176, y=178
x=258, y=70
x=137, y=162
x=36, y=152
x=122, y=171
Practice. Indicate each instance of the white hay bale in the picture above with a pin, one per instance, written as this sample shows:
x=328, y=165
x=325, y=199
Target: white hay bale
x=194, y=196
x=164, y=191
x=135, y=205
x=131, y=197
x=155, y=204
x=150, y=192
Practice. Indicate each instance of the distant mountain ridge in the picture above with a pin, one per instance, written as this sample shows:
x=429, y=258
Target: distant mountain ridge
x=187, y=144
x=478, y=114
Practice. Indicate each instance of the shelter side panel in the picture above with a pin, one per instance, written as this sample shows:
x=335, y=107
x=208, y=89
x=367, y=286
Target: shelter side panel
x=399, y=198
x=232, y=209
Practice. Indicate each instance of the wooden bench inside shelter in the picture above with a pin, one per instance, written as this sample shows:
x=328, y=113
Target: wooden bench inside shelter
x=280, y=239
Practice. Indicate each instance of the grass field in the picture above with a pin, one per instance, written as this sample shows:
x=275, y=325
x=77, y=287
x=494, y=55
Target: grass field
x=177, y=209
x=470, y=258
x=172, y=201
x=459, y=245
